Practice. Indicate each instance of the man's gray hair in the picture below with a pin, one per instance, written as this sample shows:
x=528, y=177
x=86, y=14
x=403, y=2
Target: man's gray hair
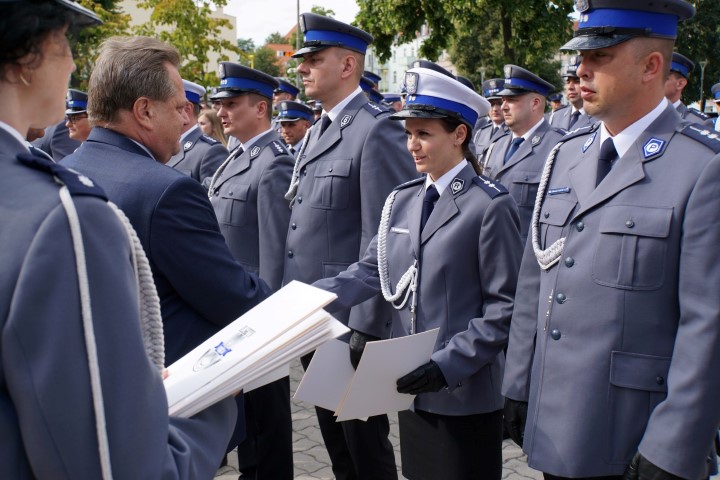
x=126, y=69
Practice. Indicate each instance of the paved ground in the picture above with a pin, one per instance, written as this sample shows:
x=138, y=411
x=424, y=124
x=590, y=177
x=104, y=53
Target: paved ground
x=311, y=458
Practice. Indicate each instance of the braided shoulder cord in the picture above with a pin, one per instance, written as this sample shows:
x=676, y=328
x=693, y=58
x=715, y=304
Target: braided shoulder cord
x=551, y=255
x=295, y=179
x=220, y=170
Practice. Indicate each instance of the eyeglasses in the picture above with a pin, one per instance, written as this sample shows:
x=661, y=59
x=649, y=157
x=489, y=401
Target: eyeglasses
x=75, y=117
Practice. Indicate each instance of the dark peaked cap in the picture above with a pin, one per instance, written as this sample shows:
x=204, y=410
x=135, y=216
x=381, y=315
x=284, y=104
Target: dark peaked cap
x=682, y=65
x=519, y=81
x=322, y=32
x=604, y=23
x=236, y=79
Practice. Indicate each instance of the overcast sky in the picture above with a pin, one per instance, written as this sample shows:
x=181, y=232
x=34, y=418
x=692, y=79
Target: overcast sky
x=257, y=19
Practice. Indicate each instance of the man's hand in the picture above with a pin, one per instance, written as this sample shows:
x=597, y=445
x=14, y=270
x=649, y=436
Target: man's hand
x=641, y=468
x=425, y=378
x=357, y=346
x=514, y=417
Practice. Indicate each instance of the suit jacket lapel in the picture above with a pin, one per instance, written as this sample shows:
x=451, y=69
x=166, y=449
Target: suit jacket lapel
x=180, y=156
x=446, y=207
x=241, y=163
x=414, y=215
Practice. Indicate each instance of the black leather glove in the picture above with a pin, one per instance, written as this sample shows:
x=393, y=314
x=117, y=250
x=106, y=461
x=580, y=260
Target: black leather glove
x=357, y=346
x=514, y=417
x=425, y=378
x=641, y=468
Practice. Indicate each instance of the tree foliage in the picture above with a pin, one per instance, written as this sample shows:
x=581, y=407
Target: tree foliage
x=189, y=26
x=699, y=40
x=275, y=37
x=484, y=34
x=266, y=61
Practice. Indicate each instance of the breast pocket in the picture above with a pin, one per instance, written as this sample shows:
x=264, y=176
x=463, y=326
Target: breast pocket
x=234, y=205
x=331, y=184
x=632, y=247
x=524, y=188
x=554, y=214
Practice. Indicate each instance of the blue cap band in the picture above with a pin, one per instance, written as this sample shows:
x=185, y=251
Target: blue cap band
x=464, y=111
x=345, y=39
x=247, y=84
x=511, y=83
x=392, y=98
x=717, y=95
x=492, y=91
x=293, y=114
x=680, y=68
x=287, y=89
x=192, y=97
x=76, y=104
x=659, y=23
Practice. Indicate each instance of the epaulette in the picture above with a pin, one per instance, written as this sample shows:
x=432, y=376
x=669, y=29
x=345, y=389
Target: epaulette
x=704, y=135
x=208, y=139
x=415, y=181
x=375, y=109
x=698, y=113
x=559, y=130
x=581, y=131
x=278, y=148
x=76, y=182
x=489, y=186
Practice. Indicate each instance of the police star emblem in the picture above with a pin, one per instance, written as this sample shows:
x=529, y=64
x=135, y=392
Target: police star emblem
x=457, y=185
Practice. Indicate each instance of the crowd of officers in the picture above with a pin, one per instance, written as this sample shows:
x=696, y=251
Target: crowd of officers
x=566, y=254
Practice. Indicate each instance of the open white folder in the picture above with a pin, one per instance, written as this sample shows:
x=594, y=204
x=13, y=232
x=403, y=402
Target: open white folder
x=250, y=350
x=332, y=383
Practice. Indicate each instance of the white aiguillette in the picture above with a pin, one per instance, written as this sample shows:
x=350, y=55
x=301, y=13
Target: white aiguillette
x=252, y=349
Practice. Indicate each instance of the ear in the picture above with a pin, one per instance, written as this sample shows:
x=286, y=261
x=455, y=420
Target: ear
x=262, y=108
x=143, y=112
x=349, y=66
x=653, y=66
x=460, y=133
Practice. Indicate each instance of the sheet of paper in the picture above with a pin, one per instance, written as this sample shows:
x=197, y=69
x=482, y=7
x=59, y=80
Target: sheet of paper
x=373, y=390
x=328, y=376
x=273, y=376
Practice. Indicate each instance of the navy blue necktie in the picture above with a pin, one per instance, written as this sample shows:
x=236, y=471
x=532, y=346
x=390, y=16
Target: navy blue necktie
x=324, y=124
x=573, y=119
x=607, y=156
x=431, y=196
x=514, y=145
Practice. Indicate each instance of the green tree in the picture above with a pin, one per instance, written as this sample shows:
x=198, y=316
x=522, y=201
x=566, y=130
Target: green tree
x=699, y=40
x=484, y=34
x=86, y=42
x=275, y=37
x=189, y=26
x=327, y=12
x=265, y=60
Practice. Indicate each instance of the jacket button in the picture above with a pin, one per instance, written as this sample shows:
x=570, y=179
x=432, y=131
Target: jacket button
x=547, y=214
x=293, y=226
x=555, y=334
x=290, y=254
x=580, y=226
x=629, y=224
x=304, y=172
x=330, y=169
x=560, y=297
x=569, y=262
x=299, y=199
x=660, y=380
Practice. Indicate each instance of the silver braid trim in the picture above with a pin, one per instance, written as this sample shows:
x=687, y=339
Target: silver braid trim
x=295, y=180
x=149, y=302
x=551, y=255
x=220, y=170
x=409, y=278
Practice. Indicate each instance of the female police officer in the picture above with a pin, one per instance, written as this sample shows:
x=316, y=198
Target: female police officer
x=452, y=267
x=79, y=397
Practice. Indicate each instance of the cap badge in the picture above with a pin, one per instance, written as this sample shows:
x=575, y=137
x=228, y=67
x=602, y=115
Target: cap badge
x=652, y=146
x=589, y=142
x=493, y=84
x=582, y=5
x=508, y=71
x=187, y=146
x=254, y=152
x=68, y=96
x=535, y=140
x=345, y=121
x=411, y=82
x=221, y=71
x=457, y=185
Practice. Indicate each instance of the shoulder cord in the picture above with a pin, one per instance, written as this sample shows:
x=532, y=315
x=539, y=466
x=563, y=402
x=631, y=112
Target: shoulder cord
x=408, y=279
x=220, y=170
x=149, y=305
x=551, y=255
x=295, y=180
x=486, y=157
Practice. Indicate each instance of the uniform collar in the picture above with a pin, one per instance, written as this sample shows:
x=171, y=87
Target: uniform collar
x=333, y=114
x=191, y=130
x=14, y=133
x=625, y=139
x=442, y=183
x=252, y=141
x=530, y=132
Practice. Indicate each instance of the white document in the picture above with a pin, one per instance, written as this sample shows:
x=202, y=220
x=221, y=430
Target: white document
x=288, y=324
x=371, y=389
x=273, y=376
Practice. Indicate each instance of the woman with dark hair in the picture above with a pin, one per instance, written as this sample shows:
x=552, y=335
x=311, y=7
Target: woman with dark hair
x=447, y=256
x=81, y=395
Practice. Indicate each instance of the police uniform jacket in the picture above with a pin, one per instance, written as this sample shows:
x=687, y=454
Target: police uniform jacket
x=617, y=345
x=47, y=425
x=521, y=174
x=199, y=155
x=486, y=135
x=57, y=142
x=695, y=116
x=345, y=176
x=469, y=255
x=561, y=119
x=249, y=200
x=551, y=114
x=201, y=286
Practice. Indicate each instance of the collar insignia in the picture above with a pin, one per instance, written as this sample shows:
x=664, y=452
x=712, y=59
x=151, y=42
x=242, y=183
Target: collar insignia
x=345, y=121
x=187, y=145
x=457, y=185
x=652, y=146
x=255, y=151
x=535, y=140
x=589, y=142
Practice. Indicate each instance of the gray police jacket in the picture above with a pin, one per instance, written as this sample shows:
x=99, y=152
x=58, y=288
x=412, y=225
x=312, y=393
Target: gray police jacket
x=617, y=345
x=345, y=176
x=199, y=156
x=468, y=256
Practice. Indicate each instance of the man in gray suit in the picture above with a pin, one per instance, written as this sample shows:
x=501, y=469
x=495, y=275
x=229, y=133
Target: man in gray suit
x=352, y=159
x=614, y=348
x=574, y=117
x=248, y=195
x=295, y=118
x=199, y=155
x=517, y=160
x=495, y=127
x=680, y=70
